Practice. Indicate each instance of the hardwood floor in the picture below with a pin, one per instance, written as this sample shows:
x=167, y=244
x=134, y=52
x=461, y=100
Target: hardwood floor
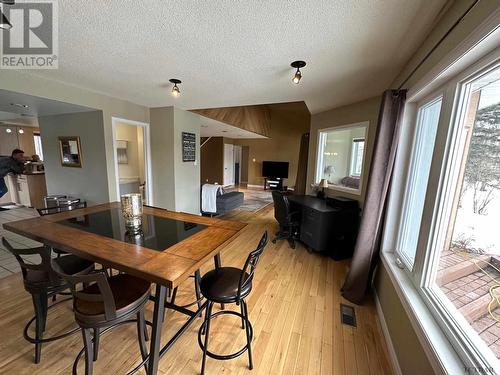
x=294, y=309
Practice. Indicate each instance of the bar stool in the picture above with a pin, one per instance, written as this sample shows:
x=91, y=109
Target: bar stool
x=42, y=282
x=229, y=285
x=102, y=303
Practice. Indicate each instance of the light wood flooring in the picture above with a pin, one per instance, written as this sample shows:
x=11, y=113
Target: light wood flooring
x=294, y=309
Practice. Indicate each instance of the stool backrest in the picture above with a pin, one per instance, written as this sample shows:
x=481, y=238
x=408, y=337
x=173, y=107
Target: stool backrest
x=99, y=278
x=248, y=270
x=57, y=209
x=45, y=259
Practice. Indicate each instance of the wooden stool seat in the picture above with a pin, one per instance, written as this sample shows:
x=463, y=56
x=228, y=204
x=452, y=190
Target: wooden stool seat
x=129, y=292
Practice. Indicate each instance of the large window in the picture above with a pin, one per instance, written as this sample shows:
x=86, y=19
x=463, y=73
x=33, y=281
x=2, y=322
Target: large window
x=447, y=236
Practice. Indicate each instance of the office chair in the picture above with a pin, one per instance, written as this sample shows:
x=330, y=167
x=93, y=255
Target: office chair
x=288, y=220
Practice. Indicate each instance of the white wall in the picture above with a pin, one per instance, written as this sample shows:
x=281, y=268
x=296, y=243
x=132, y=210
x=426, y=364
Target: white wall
x=176, y=184
x=89, y=182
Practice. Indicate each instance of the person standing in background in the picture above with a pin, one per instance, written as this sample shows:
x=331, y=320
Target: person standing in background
x=13, y=164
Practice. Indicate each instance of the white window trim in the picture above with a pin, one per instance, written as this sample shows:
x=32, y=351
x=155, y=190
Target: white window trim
x=481, y=46
x=352, y=163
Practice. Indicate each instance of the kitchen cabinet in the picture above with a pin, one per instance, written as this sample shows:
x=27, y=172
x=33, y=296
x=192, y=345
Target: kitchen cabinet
x=14, y=139
x=28, y=189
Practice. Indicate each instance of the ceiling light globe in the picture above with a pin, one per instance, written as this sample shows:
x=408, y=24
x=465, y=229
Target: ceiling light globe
x=175, y=91
x=21, y=131
x=8, y=130
x=296, y=78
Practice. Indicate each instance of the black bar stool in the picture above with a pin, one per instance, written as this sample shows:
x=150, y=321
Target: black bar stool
x=103, y=303
x=229, y=285
x=42, y=282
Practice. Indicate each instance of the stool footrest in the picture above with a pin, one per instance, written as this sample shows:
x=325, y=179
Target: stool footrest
x=225, y=356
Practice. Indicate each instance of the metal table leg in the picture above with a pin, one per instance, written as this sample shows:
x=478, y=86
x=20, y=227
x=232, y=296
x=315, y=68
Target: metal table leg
x=159, y=309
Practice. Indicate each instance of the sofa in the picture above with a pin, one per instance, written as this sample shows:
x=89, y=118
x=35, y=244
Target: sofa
x=226, y=202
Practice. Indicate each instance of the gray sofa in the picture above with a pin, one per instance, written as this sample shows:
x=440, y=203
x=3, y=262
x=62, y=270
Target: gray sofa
x=227, y=202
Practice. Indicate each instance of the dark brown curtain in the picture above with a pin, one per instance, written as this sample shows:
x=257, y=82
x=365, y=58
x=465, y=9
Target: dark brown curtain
x=366, y=252
x=300, y=182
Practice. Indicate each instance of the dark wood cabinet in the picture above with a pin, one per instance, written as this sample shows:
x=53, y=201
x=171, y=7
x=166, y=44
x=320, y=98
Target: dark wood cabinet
x=328, y=226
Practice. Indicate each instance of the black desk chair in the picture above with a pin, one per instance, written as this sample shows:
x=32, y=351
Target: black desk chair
x=288, y=220
x=42, y=282
x=229, y=285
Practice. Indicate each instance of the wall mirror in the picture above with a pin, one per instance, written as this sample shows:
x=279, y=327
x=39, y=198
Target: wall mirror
x=71, y=154
x=341, y=157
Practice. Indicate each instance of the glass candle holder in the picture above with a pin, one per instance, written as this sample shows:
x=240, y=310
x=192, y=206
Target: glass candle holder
x=132, y=211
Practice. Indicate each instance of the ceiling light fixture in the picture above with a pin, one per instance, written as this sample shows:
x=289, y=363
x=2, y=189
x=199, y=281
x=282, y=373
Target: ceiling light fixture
x=298, y=75
x=21, y=131
x=19, y=105
x=8, y=130
x=175, y=90
x=4, y=22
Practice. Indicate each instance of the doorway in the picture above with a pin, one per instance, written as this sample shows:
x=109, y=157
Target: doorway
x=228, y=164
x=131, y=151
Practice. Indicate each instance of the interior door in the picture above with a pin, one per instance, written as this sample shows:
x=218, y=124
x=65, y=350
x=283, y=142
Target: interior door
x=228, y=164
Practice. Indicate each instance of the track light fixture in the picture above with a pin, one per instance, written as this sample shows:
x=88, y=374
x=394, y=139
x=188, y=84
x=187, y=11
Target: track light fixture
x=175, y=90
x=298, y=75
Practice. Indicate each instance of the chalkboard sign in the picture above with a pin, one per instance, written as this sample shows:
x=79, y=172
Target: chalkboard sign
x=188, y=146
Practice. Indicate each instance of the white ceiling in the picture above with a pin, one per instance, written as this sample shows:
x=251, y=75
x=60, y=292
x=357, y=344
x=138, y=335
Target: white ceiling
x=238, y=52
x=214, y=128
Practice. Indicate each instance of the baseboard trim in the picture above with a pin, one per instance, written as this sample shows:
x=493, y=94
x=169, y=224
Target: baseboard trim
x=385, y=330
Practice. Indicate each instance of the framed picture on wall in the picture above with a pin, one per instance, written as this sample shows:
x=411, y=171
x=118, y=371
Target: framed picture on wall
x=122, y=152
x=71, y=153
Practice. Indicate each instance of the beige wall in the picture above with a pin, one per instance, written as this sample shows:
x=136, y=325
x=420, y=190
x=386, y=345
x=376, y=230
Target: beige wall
x=89, y=182
x=411, y=356
x=366, y=110
x=283, y=145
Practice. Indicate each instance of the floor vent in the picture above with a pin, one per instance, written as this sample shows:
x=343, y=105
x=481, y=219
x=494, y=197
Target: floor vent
x=347, y=315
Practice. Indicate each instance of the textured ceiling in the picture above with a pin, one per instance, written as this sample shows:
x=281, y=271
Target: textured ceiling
x=237, y=52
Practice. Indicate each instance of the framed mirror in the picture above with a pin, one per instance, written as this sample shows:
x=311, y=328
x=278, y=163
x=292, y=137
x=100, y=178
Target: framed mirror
x=71, y=153
x=341, y=157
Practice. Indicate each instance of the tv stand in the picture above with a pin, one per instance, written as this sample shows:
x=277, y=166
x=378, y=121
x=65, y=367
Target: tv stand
x=273, y=183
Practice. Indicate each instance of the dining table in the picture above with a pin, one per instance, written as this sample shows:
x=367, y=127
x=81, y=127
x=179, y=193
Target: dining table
x=169, y=248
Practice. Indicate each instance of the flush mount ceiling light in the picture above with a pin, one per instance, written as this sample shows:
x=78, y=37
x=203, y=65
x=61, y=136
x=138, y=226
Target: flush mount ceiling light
x=298, y=75
x=19, y=105
x=175, y=90
x=21, y=131
x=4, y=22
x=8, y=130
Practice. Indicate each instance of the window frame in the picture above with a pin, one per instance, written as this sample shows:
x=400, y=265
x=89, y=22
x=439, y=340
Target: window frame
x=437, y=205
x=322, y=134
x=354, y=152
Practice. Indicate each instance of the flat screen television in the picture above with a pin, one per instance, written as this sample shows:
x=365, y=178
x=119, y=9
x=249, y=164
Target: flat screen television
x=278, y=169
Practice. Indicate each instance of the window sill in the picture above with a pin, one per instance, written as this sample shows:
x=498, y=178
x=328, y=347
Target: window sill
x=436, y=345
